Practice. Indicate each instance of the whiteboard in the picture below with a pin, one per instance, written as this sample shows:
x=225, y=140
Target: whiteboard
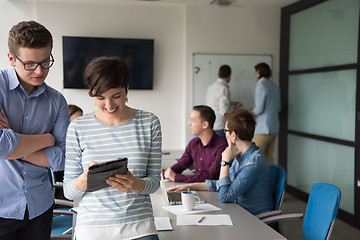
x=243, y=80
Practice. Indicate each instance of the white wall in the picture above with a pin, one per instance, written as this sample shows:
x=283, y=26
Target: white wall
x=12, y=13
x=215, y=29
x=178, y=33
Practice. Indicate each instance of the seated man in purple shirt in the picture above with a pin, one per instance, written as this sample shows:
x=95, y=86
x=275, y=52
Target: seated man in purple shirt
x=203, y=151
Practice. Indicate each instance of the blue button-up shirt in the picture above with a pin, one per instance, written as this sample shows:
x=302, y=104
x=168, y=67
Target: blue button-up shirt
x=44, y=111
x=249, y=183
x=267, y=107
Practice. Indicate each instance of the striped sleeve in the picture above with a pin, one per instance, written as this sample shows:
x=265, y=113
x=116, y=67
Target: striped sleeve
x=154, y=164
x=73, y=165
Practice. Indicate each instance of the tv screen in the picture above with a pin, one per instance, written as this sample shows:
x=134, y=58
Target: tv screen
x=79, y=51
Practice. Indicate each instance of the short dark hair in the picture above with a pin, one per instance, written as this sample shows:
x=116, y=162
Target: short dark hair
x=224, y=71
x=73, y=109
x=264, y=70
x=242, y=122
x=206, y=114
x=104, y=73
x=29, y=34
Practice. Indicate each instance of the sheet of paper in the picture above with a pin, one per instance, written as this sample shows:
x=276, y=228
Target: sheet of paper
x=163, y=224
x=179, y=210
x=207, y=220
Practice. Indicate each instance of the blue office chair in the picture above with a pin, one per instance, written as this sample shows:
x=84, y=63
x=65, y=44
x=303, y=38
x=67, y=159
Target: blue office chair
x=61, y=227
x=321, y=211
x=278, y=189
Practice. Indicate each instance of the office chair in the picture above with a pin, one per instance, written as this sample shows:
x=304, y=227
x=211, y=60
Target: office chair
x=278, y=189
x=62, y=226
x=320, y=214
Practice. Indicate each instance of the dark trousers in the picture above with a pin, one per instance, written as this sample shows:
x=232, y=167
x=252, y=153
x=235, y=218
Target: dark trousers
x=38, y=228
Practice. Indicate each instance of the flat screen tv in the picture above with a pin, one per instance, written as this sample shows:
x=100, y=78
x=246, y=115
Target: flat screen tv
x=79, y=51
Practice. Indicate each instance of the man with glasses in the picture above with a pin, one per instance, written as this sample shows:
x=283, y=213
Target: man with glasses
x=33, y=123
x=203, y=151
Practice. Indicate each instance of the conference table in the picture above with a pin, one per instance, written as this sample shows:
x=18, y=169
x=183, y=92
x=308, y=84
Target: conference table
x=245, y=225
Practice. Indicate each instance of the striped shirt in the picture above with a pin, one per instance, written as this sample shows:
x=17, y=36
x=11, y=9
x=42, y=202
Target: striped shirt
x=139, y=140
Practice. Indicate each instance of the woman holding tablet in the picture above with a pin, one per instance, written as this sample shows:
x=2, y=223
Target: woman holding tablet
x=123, y=209
x=245, y=176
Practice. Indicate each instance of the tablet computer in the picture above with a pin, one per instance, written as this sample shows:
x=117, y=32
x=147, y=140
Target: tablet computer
x=98, y=173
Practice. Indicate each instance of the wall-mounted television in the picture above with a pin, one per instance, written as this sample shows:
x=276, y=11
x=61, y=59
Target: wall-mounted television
x=79, y=51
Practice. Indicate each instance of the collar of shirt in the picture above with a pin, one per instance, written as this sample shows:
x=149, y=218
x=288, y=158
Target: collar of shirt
x=263, y=79
x=14, y=83
x=213, y=141
x=13, y=79
x=223, y=82
x=253, y=148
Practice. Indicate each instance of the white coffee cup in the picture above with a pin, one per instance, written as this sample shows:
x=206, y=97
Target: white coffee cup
x=188, y=200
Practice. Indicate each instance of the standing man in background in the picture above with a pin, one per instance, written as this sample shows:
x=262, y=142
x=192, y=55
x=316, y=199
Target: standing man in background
x=33, y=122
x=267, y=108
x=218, y=98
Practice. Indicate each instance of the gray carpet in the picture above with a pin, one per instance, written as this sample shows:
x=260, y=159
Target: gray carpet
x=292, y=229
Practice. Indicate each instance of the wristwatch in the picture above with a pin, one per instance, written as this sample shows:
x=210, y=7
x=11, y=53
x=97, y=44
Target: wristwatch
x=224, y=163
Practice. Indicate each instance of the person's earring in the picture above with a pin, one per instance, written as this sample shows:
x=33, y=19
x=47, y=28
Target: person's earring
x=233, y=143
x=126, y=99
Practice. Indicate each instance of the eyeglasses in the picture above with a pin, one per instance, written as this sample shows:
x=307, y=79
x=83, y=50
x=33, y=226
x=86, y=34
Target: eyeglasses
x=31, y=66
x=227, y=130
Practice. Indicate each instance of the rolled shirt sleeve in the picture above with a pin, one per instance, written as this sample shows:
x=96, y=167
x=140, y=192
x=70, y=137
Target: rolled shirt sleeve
x=56, y=154
x=8, y=142
x=211, y=184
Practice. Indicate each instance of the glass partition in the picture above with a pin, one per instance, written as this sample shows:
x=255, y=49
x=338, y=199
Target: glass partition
x=324, y=35
x=319, y=66
x=323, y=104
x=311, y=161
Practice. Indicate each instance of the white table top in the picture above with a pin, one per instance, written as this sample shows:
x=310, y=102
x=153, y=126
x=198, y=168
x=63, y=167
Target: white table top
x=246, y=226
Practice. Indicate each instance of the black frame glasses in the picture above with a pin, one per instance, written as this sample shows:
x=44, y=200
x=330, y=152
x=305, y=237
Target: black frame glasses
x=31, y=66
x=226, y=130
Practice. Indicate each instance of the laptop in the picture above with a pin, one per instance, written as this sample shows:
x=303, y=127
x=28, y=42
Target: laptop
x=172, y=198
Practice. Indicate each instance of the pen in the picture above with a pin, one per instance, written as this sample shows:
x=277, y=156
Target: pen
x=201, y=219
